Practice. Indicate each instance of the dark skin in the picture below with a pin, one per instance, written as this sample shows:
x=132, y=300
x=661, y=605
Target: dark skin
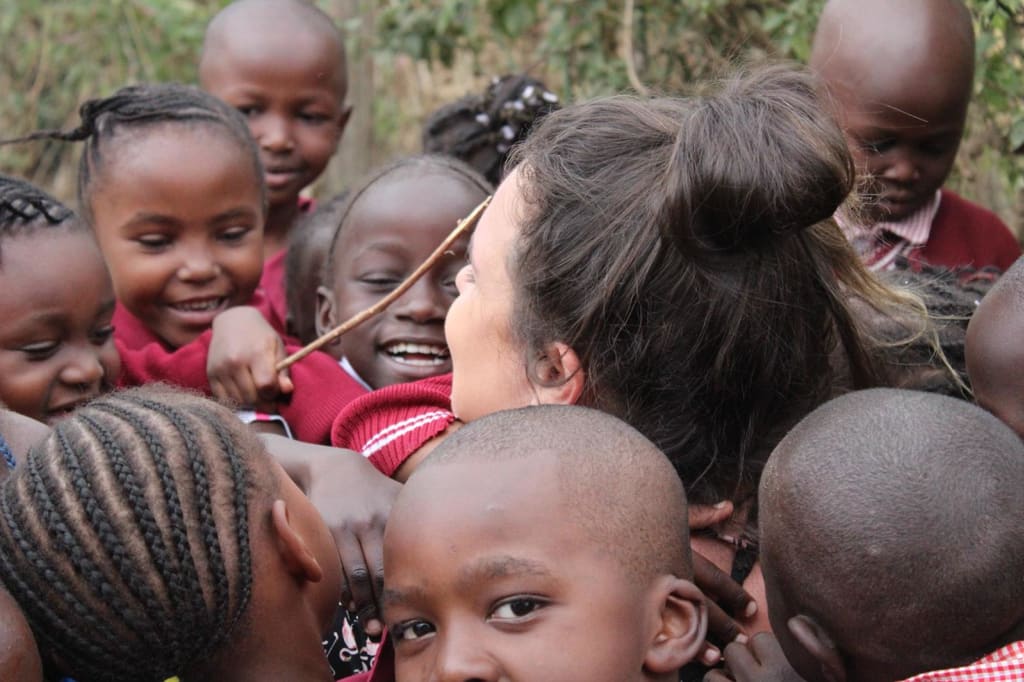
x=901, y=76
x=19, y=655
x=357, y=522
x=995, y=356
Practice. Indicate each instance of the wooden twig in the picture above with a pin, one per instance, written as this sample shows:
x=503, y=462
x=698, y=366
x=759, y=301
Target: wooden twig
x=627, y=50
x=381, y=305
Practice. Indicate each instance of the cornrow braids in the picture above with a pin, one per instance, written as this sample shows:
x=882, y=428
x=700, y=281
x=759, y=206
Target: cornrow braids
x=24, y=207
x=482, y=129
x=424, y=164
x=137, y=107
x=125, y=535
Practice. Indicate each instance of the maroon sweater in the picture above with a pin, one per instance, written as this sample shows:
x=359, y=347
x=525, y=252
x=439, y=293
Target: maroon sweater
x=965, y=234
x=322, y=388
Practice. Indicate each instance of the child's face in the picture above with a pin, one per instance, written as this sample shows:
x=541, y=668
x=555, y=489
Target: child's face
x=392, y=230
x=905, y=142
x=294, y=99
x=512, y=590
x=488, y=364
x=19, y=655
x=179, y=218
x=56, y=342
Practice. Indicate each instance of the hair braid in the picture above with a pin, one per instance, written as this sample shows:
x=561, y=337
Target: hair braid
x=136, y=107
x=184, y=576
x=125, y=535
x=207, y=523
x=25, y=208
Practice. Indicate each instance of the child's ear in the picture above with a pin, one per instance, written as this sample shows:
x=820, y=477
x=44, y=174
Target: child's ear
x=813, y=638
x=325, y=317
x=291, y=546
x=681, y=628
x=561, y=376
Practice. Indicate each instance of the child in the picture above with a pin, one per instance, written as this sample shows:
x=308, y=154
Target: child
x=481, y=130
x=282, y=64
x=995, y=353
x=151, y=535
x=57, y=340
x=390, y=226
x=308, y=245
x=179, y=220
x=901, y=75
x=19, y=655
x=892, y=542
x=564, y=556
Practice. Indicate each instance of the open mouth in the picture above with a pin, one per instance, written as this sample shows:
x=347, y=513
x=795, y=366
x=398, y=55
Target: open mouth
x=200, y=305
x=418, y=354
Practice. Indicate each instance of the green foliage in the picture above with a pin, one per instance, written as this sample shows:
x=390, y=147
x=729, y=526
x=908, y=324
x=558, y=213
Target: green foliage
x=578, y=47
x=58, y=54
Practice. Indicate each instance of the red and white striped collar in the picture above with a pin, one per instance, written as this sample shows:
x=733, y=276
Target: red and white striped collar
x=914, y=229
x=1004, y=665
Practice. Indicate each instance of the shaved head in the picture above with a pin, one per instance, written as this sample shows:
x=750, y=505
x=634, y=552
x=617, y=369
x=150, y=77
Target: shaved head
x=880, y=45
x=995, y=349
x=272, y=26
x=612, y=482
x=893, y=519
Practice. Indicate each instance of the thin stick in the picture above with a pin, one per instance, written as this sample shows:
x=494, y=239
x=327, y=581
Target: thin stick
x=381, y=305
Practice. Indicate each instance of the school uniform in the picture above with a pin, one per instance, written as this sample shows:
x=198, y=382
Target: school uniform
x=1004, y=665
x=322, y=388
x=949, y=232
x=391, y=423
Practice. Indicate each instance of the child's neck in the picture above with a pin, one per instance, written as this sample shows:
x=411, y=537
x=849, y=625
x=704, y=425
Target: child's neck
x=280, y=219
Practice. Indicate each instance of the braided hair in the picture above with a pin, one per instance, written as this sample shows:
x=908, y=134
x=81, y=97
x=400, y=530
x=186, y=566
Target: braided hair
x=125, y=534
x=424, y=164
x=482, y=129
x=24, y=207
x=141, y=106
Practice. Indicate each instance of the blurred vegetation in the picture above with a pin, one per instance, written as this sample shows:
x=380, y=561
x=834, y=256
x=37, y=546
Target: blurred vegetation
x=418, y=54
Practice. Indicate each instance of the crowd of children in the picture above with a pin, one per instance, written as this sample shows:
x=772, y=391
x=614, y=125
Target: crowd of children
x=669, y=413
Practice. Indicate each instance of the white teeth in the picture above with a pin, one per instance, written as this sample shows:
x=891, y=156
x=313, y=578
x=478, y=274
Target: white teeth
x=198, y=306
x=418, y=354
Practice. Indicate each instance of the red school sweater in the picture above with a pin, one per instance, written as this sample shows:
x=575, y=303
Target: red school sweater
x=391, y=423
x=965, y=234
x=322, y=388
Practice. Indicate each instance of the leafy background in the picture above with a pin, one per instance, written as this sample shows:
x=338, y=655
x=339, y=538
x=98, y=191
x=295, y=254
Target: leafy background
x=409, y=56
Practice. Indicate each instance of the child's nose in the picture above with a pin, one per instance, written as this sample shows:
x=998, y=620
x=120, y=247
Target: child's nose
x=197, y=267
x=463, y=659
x=423, y=303
x=84, y=368
x=275, y=134
x=903, y=169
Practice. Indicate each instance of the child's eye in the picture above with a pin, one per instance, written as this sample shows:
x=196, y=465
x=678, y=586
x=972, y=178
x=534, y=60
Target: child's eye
x=937, y=147
x=516, y=608
x=380, y=282
x=411, y=630
x=153, y=241
x=248, y=110
x=41, y=350
x=233, y=234
x=878, y=146
x=102, y=335
x=312, y=117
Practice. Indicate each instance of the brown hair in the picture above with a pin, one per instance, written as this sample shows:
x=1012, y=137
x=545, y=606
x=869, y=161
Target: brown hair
x=684, y=249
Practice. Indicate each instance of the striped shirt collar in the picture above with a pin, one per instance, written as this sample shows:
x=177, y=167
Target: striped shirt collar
x=914, y=229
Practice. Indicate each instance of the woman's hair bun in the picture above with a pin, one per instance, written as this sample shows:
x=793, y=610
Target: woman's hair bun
x=755, y=161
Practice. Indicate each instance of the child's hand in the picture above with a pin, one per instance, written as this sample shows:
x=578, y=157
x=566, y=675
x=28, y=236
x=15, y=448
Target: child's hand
x=355, y=501
x=719, y=587
x=759, y=660
x=244, y=350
